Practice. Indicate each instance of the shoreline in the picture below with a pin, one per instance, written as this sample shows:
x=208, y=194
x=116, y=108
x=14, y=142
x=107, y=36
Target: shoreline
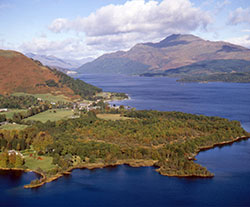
x=131, y=163
x=90, y=166
x=224, y=143
x=111, y=100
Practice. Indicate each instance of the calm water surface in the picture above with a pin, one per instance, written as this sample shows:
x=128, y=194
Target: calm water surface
x=126, y=186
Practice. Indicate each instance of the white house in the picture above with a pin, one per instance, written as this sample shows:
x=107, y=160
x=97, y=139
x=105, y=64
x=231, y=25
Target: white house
x=3, y=110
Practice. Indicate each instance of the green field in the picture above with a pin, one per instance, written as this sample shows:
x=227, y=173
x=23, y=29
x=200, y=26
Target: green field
x=43, y=162
x=13, y=127
x=10, y=112
x=112, y=117
x=46, y=97
x=105, y=95
x=50, y=115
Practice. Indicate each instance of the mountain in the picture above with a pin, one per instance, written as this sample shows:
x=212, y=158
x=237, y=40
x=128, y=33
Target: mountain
x=209, y=71
x=58, y=63
x=172, y=52
x=19, y=73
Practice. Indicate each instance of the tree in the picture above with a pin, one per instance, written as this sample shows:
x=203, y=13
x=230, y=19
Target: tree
x=2, y=117
x=4, y=159
x=12, y=159
x=41, y=141
x=19, y=161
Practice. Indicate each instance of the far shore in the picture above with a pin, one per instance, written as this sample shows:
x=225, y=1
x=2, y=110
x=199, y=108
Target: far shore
x=131, y=163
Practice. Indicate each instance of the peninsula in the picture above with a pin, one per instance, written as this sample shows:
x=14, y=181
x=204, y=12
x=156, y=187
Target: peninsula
x=108, y=137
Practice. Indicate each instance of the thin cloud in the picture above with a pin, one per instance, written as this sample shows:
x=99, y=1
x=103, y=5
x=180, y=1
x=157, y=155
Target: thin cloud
x=239, y=16
x=5, y=5
x=70, y=48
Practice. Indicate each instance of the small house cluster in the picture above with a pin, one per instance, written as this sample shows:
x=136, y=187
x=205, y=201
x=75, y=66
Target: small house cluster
x=10, y=152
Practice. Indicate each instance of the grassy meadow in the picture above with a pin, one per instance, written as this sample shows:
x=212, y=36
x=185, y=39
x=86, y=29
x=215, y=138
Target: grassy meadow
x=13, y=127
x=46, y=97
x=33, y=162
x=112, y=117
x=52, y=115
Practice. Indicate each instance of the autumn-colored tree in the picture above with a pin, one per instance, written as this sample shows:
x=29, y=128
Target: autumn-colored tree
x=19, y=161
x=41, y=141
x=12, y=159
x=3, y=159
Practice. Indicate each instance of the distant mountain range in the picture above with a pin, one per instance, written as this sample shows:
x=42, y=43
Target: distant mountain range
x=58, y=63
x=19, y=73
x=173, y=52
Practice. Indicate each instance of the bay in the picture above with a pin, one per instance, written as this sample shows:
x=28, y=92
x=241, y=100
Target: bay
x=126, y=186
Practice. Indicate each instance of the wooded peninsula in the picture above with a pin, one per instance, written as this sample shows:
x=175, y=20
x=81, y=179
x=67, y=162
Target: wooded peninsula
x=108, y=136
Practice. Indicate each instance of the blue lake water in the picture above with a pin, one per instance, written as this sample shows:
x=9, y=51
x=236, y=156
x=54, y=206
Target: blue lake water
x=126, y=186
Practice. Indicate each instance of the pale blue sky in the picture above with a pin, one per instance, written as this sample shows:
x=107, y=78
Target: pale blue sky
x=78, y=28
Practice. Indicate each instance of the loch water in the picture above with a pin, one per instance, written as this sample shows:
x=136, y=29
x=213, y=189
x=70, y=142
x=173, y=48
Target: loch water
x=126, y=186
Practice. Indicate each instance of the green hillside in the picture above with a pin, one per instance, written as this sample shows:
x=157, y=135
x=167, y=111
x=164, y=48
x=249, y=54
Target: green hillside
x=114, y=66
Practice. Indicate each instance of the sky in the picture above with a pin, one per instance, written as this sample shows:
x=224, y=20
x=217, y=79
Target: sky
x=75, y=29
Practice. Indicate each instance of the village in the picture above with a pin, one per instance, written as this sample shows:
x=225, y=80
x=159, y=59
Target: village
x=16, y=119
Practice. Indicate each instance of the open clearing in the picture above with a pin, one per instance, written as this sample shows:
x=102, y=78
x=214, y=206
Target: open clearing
x=46, y=97
x=33, y=162
x=112, y=117
x=51, y=115
x=13, y=127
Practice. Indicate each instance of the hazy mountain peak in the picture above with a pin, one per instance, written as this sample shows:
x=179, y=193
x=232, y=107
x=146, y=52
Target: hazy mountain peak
x=174, y=40
x=56, y=62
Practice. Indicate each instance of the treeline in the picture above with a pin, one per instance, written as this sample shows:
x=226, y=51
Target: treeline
x=223, y=77
x=18, y=102
x=19, y=116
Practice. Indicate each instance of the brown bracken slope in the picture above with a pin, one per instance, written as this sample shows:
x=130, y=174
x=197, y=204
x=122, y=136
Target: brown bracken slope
x=18, y=73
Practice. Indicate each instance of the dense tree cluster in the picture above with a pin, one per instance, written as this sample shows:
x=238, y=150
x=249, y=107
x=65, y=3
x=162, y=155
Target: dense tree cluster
x=51, y=83
x=2, y=118
x=121, y=95
x=18, y=102
x=11, y=160
x=221, y=77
